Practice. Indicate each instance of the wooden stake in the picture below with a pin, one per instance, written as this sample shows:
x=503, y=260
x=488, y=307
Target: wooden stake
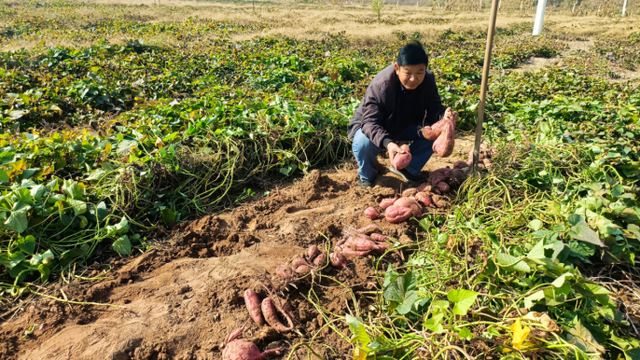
x=485, y=80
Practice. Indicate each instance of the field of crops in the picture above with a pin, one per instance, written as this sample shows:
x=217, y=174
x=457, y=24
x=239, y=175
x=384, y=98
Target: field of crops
x=107, y=147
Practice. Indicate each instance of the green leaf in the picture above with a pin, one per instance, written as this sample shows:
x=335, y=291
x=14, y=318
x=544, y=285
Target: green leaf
x=401, y=292
x=27, y=244
x=359, y=332
x=434, y=323
x=581, y=231
x=122, y=245
x=590, y=289
x=533, y=298
x=462, y=299
x=4, y=177
x=23, y=195
x=582, y=338
x=73, y=190
x=465, y=334
x=17, y=221
x=79, y=206
x=44, y=272
x=535, y=225
x=582, y=251
x=537, y=253
x=11, y=261
x=512, y=263
x=168, y=215
x=559, y=282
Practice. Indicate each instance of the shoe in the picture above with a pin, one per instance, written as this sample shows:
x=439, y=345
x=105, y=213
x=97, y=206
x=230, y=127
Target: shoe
x=406, y=176
x=364, y=183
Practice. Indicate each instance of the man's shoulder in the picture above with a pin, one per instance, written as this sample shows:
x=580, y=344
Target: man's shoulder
x=385, y=76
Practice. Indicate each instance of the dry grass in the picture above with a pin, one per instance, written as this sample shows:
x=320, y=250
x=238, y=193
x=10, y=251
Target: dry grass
x=313, y=21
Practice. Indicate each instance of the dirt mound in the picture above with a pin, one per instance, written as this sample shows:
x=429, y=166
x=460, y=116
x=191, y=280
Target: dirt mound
x=181, y=300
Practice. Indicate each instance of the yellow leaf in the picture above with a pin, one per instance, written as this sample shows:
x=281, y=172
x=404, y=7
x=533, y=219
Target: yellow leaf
x=359, y=354
x=519, y=334
x=159, y=143
x=107, y=148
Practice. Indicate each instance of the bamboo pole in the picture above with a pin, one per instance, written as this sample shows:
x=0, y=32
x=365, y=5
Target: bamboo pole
x=485, y=80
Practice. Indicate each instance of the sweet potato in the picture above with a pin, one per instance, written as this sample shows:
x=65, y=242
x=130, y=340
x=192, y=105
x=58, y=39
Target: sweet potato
x=423, y=199
x=284, y=272
x=411, y=204
x=444, y=187
x=320, y=260
x=360, y=244
x=379, y=237
x=459, y=174
x=397, y=214
x=350, y=253
x=313, y=252
x=371, y=228
x=386, y=203
x=298, y=262
x=402, y=160
x=409, y=192
x=445, y=142
x=460, y=164
x=430, y=133
x=270, y=315
x=440, y=201
x=424, y=187
x=240, y=349
x=252, y=301
x=371, y=213
x=303, y=270
x=338, y=260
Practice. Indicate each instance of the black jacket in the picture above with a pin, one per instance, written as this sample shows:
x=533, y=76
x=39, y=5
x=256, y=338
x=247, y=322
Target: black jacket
x=384, y=111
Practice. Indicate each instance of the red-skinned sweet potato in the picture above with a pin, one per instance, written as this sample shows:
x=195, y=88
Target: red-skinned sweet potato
x=440, y=201
x=460, y=164
x=397, y=214
x=271, y=316
x=410, y=203
x=338, y=260
x=369, y=229
x=379, y=237
x=445, y=142
x=349, y=253
x=423, y=199
x=320, y=260
x=303, y=270
x=298, y=262
x=402, y=160
x=360, y=244
x=371, y=213
x=240, y=349
x=284, y=272
x=409, y=192
x=252, y=301
x=444, y=187
x=424, y=187
x=313, y=252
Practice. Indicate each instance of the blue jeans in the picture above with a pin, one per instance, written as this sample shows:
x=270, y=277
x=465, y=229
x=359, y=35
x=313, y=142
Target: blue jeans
x=366, y=152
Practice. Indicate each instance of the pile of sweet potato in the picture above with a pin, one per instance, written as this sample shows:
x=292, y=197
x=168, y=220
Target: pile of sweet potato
x=359, y=243
x=267, y=310
x=430, y=194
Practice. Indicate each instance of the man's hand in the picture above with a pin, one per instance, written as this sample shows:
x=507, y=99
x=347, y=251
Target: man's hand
x=393, y=149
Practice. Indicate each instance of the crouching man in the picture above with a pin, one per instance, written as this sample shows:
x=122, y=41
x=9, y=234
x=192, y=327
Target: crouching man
x=401, y=99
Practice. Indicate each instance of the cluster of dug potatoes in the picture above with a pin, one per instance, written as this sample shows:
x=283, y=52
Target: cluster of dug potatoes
x=428, y=195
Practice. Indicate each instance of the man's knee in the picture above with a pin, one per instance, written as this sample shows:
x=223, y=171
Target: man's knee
x=362, y=143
